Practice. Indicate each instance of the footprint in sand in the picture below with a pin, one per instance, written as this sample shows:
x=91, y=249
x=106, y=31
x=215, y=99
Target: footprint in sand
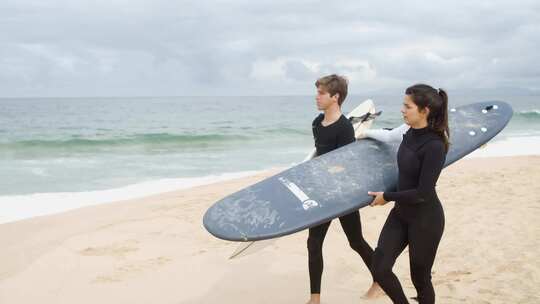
x=452, y=276
x=458, y=273
x=132, y=269
x=118, y=250
x=484, y=291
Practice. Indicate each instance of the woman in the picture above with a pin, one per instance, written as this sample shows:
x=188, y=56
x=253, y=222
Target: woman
x=417, y=219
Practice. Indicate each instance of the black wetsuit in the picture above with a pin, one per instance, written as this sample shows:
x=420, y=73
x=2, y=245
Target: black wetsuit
x=331, y=137
x=417, y=218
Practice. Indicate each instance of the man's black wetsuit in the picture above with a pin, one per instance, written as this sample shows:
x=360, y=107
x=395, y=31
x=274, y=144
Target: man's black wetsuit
x=331, y=137
x=417, y=218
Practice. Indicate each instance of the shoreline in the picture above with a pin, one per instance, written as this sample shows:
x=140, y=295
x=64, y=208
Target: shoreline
x=17, y=207
x=27, y=206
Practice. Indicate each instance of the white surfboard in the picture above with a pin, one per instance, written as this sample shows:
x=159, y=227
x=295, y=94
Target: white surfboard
x=362, y=118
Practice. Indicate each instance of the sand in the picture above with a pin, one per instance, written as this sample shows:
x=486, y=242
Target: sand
x=155, y=249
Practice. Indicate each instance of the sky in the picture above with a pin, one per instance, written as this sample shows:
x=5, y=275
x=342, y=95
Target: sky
x=213, y=48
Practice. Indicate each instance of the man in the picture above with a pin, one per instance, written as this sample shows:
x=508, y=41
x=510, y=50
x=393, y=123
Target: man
x=333, y=130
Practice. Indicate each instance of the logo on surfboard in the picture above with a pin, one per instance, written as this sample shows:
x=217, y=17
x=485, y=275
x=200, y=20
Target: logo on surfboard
x=307, y=203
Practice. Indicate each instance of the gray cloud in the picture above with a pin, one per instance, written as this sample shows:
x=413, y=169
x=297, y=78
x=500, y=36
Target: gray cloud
x=120, y=47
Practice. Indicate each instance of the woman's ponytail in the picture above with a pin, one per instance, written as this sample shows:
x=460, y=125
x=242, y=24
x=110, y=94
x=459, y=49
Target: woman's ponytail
x=442, y=120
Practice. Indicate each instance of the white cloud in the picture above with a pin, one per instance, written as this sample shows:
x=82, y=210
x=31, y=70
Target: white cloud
x=164, y=47
x=268, y=70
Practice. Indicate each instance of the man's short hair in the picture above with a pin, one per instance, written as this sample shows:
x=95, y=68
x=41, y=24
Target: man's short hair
x=334, y=84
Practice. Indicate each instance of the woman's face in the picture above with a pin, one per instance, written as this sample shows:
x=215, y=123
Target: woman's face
x=412, y=115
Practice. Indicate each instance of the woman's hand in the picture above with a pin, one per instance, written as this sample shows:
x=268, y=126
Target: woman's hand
x=378, y=199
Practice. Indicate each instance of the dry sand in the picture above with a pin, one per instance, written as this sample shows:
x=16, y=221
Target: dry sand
x=155, y=250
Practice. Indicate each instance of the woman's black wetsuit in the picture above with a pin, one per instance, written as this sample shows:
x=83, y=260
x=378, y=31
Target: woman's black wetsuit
x=329, y=138
x=417, y=218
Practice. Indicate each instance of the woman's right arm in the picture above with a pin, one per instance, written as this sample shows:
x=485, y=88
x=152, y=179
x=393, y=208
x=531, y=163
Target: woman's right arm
x=396, y=134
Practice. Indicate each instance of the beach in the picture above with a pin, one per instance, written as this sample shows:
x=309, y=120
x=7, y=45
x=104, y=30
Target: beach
x=156, y=250
x=123, y=123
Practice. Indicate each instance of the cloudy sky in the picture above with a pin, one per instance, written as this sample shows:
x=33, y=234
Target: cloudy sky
x=241, y=47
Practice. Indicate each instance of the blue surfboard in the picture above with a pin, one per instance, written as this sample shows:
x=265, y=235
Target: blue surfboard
x=337, y=183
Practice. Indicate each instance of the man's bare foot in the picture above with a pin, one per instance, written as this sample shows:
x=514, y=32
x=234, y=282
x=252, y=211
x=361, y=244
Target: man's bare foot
x=314, y=299
x=374, y=291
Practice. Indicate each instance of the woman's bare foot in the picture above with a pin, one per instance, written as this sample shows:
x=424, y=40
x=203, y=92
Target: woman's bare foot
x=374, y=291
x=314, y=299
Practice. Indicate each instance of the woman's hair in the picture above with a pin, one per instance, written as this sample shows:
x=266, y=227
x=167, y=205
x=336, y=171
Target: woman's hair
x=425, y=96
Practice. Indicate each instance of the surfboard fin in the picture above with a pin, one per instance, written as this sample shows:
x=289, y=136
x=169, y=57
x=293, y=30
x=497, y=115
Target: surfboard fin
x=247, y=248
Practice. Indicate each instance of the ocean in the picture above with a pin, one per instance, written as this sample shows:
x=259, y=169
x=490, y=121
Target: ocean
x=62, y=153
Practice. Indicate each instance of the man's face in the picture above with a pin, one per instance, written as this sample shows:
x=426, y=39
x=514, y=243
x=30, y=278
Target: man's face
x=324, y=100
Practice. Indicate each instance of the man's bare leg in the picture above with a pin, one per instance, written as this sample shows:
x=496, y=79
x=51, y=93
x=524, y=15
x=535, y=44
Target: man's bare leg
x=314, y=299
x=374, y=291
